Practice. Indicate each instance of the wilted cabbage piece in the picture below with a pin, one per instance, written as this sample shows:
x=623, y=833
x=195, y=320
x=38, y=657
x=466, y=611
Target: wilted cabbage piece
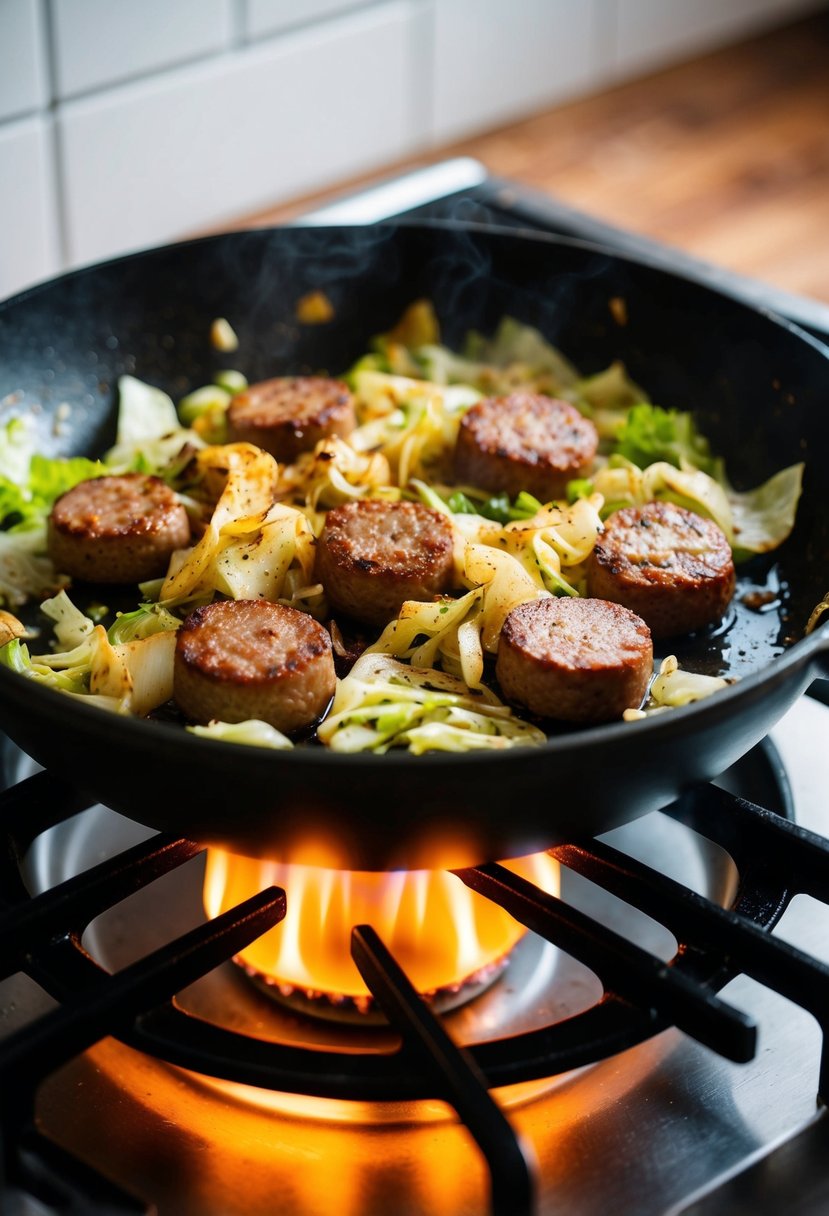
x=149, y=433
x=672, y=687
x=252, y=547
x=254, y=733
x=134, y=677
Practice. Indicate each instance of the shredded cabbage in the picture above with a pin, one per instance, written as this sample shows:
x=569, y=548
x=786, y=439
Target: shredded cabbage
x=71, y=627
x=384, y=704
x=252, y=547
x=24, y=572
x=142, y=623
x=260, y=522
x=412, y=423
x=754, y=522
x=332, y=474
x=133, y=678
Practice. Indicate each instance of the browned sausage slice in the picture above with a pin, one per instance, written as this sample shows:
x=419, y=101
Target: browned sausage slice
x=291, y=415
x=575, y=660
x=524, y=442
x=373, y=555
x=117, y=529
x=242, y=659
x=668, y=565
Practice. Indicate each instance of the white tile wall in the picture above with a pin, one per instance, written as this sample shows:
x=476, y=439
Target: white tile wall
x=100, y=42
x=151, y=160
x=650, y=34
x=151, y=118
x=28, y=232
x=494, y=60
x=23, y=84
x=263, y=17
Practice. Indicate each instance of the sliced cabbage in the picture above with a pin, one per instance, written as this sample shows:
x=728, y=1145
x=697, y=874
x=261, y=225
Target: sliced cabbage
x=674, y=687
x=252, y=547
x=24, y=573
x=455, y=633
x=254, y=732
x=71, y=626
x=611, y=389
x=146, y=620
x=763, y=518
x=332, y=474
x=130, y=679
x=447, y=632
x=384, y=704
x=522, y=356
x=149, y=433
x=754, y=522
x=413, y=423
x=138, y=674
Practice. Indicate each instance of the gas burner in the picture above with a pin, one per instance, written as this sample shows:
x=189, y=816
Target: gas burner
x=452, y=943
x=238, y=1070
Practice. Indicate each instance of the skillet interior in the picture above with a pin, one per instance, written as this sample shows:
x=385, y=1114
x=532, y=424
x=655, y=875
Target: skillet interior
x=757, y=387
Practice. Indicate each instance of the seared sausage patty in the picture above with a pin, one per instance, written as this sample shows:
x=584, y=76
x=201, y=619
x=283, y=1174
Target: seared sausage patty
x=669, y=566
x=524, y=442
x=575, y=660
x=117, y=529
x=242, y=659
x=373, y=555
x=291, y=415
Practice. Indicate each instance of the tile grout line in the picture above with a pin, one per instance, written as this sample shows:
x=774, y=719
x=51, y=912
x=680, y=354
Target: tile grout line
x=58, y=182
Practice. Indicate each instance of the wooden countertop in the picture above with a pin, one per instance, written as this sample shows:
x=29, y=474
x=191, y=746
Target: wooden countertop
x=726, y=156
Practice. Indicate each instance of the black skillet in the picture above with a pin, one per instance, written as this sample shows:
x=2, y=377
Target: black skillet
x=758, y=386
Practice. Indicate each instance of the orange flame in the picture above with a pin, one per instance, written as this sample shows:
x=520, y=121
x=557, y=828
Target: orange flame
x=439, y=931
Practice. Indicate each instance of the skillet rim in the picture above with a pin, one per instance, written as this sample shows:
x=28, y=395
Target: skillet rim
x=803, y=654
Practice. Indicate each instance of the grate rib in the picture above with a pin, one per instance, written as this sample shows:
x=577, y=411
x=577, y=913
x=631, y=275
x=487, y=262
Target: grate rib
x=69, y=907
x=624, y=969
x=27, y=1056
x=510, y=1163
x=737, y=824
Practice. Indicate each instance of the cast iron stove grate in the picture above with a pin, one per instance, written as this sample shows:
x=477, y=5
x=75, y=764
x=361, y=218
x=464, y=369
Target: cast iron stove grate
x=40, y=937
